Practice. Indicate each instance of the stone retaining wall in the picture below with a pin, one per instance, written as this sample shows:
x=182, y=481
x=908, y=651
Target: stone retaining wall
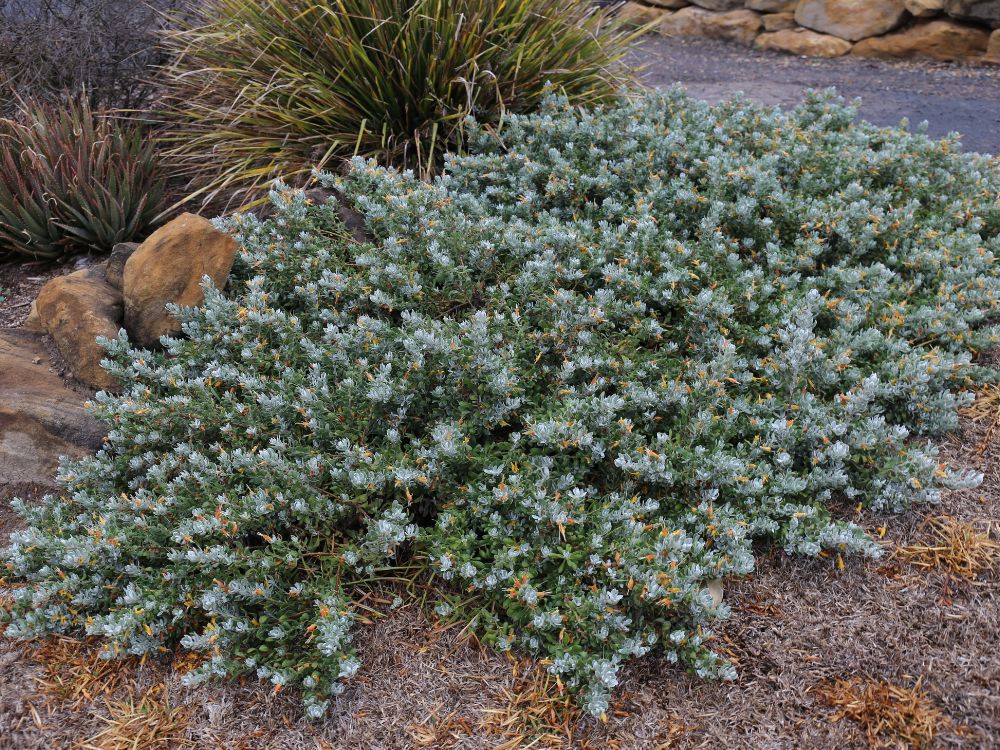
x=965, y=30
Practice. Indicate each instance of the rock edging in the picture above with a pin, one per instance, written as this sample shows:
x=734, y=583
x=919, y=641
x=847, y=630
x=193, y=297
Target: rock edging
x=948, y=30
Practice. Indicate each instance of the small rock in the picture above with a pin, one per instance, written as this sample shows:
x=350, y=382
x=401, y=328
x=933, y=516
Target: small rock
x=924, y=8
x=114, y=266
x=941, y=40
x=778, y=21
x=773, y=6
x=850, y=19
x=715, y=589
x=984, y=11
x=803, y=42
x=637, y=14
x=36, y=361
x=168, y=267
x=75, y=309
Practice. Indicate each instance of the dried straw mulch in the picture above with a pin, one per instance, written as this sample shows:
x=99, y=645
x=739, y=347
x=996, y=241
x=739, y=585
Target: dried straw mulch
x=897, y=653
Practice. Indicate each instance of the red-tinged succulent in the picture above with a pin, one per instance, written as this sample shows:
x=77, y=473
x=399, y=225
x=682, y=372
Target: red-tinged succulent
x=72, y=180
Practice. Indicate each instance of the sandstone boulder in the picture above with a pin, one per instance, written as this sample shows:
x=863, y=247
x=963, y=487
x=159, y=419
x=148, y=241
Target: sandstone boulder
x=773, y=6
x=637, y=14
x=688, y=21
x=40, y=418
x=75, y=309
x=168, y=267
x=993, y=49
x=803, y=42
x=739, y=26
x=850, y=19
x=114, y=266
x=778, y=21
x=33, y=322
x=941, y=40
x=984, y=11
x=924, y=8
x=719, y=5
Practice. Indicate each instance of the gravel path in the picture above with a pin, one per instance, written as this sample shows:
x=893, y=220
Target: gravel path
x=950, y=97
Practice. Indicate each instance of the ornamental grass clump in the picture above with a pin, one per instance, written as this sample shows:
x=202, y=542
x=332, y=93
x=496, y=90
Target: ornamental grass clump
x=259, y=89
x=585, y=372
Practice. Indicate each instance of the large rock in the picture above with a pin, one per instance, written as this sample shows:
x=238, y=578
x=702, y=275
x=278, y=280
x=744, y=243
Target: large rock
x=168, y=267
x=637, y=14
x=984, y=11
x=941, y=40
x=778, y=21
x=772, y=6
x=924, y=8
x=685, y=22
x=739, y=26
x=993, y=49
x=719, y=5
x=850, y=19
x=75, y=309
x=803, y=42
x=40, y=418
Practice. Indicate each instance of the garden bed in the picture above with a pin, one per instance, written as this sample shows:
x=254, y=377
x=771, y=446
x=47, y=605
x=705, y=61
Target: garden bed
x=797, y=626
x=537, y=455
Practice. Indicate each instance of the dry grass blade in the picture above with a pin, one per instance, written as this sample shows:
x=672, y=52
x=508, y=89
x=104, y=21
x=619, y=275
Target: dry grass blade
x=986, y=408
x=6, y=602
x=889, y=715
x=964, y=548
x=440, y=733
x=536, y=713
x=75, y=672
x=150, y=723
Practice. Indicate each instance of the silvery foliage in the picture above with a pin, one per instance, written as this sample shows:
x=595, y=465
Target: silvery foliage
x=577, y=377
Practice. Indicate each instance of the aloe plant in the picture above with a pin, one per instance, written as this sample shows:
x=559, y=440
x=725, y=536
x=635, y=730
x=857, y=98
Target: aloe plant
x=72, y=179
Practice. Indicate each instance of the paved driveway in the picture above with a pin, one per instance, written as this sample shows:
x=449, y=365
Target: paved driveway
x=950, y=97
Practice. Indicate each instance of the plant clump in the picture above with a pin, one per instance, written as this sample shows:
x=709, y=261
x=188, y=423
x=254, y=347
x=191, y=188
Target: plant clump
x=272, y=88
x=72, y=180
x=578, y=377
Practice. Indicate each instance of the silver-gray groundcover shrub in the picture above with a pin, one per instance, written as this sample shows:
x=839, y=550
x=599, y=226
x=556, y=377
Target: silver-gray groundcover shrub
x=576, y=377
